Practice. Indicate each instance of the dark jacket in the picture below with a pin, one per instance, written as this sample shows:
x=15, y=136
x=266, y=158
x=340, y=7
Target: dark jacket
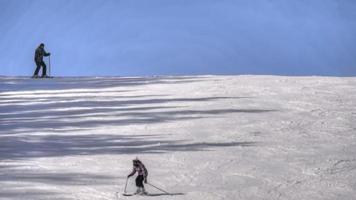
x=40, y=52
x=140, y=169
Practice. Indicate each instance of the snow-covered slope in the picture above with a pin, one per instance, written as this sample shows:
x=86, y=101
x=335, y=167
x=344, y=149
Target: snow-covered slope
x=201, y=137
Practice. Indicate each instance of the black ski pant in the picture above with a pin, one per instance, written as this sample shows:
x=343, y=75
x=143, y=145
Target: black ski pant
x=139, y=181
x=40, y=64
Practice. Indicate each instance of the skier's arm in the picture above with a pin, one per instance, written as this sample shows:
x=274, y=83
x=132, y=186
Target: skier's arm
x=45, y=53
x=132, y=173
x=145, y=174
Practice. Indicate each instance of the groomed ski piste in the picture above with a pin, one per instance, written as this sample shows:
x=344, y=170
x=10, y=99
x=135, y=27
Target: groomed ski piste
x=200, y=137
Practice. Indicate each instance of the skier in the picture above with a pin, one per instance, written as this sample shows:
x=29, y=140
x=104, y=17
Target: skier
x=40, y=52
x=141, y=170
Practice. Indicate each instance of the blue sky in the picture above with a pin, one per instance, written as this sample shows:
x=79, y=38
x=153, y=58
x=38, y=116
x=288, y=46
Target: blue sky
x=180, y=37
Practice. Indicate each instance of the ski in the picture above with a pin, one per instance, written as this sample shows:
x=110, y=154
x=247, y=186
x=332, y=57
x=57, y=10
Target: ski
x=133, y=194
x=130, y=194
x=47, y=77
x=126, y=194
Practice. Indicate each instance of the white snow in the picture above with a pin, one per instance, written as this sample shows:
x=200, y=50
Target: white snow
x=201, y=137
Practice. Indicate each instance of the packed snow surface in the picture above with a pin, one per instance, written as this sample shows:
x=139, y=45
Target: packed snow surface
x=201, y=137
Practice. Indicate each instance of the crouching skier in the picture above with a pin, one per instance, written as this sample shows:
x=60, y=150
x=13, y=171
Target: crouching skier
x=142, y=172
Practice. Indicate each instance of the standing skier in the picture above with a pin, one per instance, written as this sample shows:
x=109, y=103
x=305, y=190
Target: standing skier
x=40, y=52
x=141, y=170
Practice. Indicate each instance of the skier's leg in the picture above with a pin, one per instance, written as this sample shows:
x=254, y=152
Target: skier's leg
x=139, y=184
x=44, y=69
x=137, y=180
x=38, y=66
x=143, y=191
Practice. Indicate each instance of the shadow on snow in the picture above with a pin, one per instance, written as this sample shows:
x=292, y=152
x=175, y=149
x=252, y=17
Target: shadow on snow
x=22, y=113
x=37, y=146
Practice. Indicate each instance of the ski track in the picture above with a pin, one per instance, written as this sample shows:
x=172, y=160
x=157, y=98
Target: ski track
x=201, y=137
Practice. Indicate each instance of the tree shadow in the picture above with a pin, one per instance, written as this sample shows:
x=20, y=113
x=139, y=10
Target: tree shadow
x=74, y=102
x=67, y=114
x=57, y=178
x=39, y=146
x=26, y=178
x=62, y=83
x=60, y=115
x=26, y=113
x=21, y=193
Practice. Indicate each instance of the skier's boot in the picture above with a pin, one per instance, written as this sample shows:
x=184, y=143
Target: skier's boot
x=138, y=191
x=35, y=76
x=143, y=191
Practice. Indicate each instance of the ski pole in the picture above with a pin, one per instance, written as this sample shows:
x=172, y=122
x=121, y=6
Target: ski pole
x=157, y=188
x=49, y=65
x=126, y=185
